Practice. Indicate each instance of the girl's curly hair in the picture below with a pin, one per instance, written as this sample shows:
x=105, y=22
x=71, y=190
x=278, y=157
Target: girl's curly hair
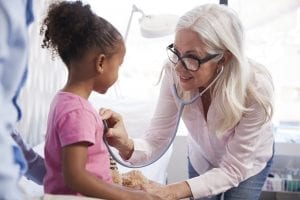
x=71, y=29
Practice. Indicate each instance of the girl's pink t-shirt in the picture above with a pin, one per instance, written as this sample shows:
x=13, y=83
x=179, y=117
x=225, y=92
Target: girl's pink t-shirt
x=73, y=119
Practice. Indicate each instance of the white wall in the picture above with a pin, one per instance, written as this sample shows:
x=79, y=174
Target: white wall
x=178, y=166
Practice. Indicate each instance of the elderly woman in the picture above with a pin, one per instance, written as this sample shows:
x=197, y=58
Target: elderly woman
x=230, y=139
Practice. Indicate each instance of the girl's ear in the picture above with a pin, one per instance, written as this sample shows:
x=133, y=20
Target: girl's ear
x=99, y=63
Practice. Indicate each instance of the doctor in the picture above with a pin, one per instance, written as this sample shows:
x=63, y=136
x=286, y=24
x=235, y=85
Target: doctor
x=230, y=139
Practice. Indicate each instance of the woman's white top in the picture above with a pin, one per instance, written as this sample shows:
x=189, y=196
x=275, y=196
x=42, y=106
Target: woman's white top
x=222, y=161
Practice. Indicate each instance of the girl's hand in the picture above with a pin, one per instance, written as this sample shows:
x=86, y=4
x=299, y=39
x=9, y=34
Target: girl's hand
x=116, y=134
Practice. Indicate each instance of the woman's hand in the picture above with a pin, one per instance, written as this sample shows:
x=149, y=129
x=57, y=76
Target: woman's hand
x=160, y=190
x=173, y=191
x=116, y=134
x=139, y=194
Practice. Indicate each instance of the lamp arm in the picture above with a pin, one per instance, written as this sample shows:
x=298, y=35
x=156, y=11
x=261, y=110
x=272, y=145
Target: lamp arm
x=133, y=10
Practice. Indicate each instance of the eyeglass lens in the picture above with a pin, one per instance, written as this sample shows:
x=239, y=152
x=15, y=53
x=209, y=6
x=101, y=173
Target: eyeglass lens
x=189, y=63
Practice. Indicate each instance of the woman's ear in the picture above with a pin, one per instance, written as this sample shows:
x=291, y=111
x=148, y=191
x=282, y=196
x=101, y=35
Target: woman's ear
x=226, y=57
x=99, y=63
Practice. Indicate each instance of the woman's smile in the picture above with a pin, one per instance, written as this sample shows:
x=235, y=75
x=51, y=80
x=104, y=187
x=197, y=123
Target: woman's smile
x=185, y=79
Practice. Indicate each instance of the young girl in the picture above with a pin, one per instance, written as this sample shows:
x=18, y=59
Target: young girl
x=76, y=158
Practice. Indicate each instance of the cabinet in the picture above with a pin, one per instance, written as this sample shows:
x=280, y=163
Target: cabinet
x=284, y=180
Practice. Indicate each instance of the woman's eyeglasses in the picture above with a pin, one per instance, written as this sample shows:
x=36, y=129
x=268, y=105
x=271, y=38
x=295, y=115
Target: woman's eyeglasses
x=190, y=62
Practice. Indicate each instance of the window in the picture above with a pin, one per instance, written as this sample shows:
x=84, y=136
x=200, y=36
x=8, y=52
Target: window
x=272, y=33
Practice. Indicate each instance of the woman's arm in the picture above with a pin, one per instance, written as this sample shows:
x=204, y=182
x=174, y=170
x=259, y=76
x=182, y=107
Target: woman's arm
x=79, y=179
x=246, y=153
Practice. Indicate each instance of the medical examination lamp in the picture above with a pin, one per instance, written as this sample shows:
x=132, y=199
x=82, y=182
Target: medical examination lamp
x=153, y=26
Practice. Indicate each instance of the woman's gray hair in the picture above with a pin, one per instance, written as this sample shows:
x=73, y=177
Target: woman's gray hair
x=222, y=32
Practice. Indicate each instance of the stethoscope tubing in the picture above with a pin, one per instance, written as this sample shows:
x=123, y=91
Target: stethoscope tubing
x=182, y=103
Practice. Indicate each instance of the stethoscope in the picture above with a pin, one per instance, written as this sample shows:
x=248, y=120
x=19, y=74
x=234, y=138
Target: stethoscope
x=182, y=103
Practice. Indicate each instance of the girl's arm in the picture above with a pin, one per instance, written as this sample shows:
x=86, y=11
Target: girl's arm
x=80, y=180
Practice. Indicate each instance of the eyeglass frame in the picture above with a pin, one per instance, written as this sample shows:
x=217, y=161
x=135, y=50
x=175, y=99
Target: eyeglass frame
x=200, y=61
